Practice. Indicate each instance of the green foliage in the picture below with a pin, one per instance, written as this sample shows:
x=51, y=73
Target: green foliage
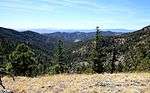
x=129, y=53
x=98, y=53
x=119, y=67
x=144, y=65
x=81, y=67
x=1, y=56
x=23, y=61
x=114, y=59
x=60, y=59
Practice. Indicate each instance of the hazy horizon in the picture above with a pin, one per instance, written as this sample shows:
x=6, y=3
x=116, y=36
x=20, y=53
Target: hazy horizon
x=49, y=30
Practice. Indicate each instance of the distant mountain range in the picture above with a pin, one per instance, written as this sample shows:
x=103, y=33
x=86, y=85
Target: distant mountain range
x=73, y=35
x=46, y=42
x=79, y=36
x=77, y=30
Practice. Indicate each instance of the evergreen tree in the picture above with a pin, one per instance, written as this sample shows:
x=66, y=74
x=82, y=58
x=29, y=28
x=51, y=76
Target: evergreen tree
x=60, y=63
x=1, y=55
x=114, y=59
x=23, y=61
x=98, y=53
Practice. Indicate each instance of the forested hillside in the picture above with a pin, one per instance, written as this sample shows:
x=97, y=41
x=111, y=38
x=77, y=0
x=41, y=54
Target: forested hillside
x=79, y=36
x=41, y=46
x=34, y=54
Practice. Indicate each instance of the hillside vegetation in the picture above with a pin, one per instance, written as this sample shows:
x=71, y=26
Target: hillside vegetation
x=47, y=54
x=29, y=55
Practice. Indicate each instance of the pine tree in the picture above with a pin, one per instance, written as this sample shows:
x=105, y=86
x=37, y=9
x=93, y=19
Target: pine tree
x=1, y=55
x=98, y=53
x=60, y=64
x=114, y=59
x=61, y=56
x=23, y=61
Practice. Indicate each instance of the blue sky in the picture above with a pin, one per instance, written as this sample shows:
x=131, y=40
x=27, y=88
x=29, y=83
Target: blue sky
x=74, y=14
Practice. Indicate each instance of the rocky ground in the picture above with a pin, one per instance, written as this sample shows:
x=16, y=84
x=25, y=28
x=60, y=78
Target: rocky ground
x=81, y=83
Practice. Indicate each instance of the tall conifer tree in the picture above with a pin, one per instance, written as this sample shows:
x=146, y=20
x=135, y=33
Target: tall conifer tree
x=98, y=53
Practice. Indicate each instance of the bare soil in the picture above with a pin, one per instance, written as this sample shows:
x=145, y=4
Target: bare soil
x=81, y=83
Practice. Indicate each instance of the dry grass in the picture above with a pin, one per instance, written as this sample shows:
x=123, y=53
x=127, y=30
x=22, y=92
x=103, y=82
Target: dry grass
x=81, y=83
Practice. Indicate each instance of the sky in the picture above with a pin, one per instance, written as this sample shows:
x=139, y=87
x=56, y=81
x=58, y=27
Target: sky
x=74, y=14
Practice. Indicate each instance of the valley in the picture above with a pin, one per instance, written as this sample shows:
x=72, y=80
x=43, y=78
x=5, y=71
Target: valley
x=54, y=63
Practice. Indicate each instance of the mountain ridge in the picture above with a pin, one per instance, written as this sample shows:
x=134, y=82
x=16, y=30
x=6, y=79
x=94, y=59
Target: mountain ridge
x=131, y=47
x=46, y=31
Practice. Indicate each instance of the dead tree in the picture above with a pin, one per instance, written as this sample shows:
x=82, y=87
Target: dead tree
x=3, y=73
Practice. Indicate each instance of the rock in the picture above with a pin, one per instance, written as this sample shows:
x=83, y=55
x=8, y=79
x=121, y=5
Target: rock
x=5, y=91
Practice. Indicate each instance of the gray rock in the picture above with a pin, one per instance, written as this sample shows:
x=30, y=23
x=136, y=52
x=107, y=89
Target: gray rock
x=5, y=91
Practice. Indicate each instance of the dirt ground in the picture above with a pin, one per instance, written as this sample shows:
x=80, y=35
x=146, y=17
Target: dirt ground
x=81, y=83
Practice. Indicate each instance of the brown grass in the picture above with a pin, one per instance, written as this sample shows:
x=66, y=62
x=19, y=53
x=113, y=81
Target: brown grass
x=81, y=83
